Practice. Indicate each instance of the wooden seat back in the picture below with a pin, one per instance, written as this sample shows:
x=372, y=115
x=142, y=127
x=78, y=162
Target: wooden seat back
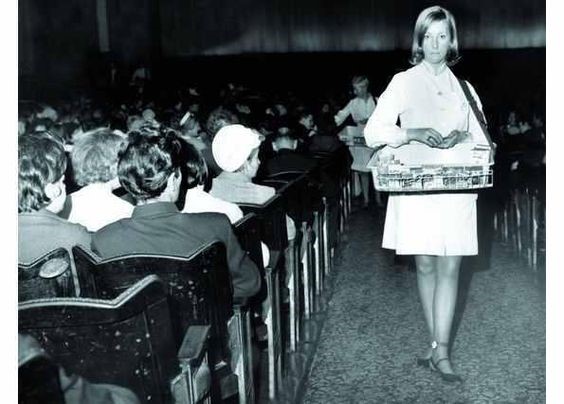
x=48, y=276
x=127, y=341
x=199, y=286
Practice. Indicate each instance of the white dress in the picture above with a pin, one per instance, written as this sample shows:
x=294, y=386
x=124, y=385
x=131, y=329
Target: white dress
x=426, y=224
x=359, y=110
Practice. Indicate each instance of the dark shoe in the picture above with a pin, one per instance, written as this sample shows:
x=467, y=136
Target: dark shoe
x=447, y=377
x=434, y=365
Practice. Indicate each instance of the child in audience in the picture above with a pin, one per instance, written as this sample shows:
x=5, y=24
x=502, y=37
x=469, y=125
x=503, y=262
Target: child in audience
x=94, y=159
x=150, y=170
x=41, y=195
x=235, y=149
x=197, y=200
x=286, y=157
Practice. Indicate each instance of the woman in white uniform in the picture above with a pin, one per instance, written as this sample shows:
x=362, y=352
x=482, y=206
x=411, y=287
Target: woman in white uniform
x=437, y=228
x=360, y=108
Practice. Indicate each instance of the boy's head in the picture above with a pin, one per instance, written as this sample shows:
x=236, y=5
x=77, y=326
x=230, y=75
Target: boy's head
x=282, y=141
x=235, y=149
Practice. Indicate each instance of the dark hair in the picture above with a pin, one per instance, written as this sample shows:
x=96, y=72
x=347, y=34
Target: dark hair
x=219, y=118
x=196, y=167
x=148, y=162
x=41, y=161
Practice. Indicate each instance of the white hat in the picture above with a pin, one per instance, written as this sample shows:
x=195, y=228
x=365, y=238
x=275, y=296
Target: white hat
x=232, y=146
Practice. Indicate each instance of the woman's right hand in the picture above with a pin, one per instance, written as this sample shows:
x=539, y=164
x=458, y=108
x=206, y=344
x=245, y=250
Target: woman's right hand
x=428, y=136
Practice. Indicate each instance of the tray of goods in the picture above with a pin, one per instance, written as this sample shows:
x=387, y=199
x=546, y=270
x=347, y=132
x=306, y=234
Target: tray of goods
x=420, y=168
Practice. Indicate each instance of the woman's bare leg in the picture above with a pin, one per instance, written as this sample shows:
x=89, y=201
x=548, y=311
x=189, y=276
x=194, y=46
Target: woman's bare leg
x=426, y=283
x=448, y=269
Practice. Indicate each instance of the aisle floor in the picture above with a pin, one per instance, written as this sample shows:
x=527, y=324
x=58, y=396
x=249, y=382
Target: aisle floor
x=375, y=328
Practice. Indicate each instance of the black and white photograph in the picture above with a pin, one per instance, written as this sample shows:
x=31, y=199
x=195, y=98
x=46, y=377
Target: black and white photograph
x=282, y=201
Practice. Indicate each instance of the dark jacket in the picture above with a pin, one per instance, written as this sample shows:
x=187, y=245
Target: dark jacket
x=288, y=160
x=159, y=228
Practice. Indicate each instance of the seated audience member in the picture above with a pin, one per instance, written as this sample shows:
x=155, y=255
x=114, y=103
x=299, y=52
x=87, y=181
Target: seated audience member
x=41, y=195
x=75, y=389
x=198, y=200
x=235, y=149
x=94, y=159
x=191, y=132
x=319, y=139
x=150, y=171
x=286, y=158
x=512, y=127
x=306, y=127
x=218, y=118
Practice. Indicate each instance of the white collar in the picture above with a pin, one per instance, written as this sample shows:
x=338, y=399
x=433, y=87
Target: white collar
x=429, y=69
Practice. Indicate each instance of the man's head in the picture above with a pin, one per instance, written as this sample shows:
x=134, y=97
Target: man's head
x=284, y=141
x=150, y=167
x=306, y=120
x=235, y=149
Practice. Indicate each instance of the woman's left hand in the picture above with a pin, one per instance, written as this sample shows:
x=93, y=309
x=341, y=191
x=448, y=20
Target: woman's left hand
x=453, y=138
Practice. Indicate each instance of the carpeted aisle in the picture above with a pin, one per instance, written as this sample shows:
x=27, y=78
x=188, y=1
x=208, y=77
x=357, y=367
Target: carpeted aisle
x=375, y=328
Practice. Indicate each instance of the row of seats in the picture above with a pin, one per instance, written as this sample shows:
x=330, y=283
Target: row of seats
x=167, y=327
x=521, y=224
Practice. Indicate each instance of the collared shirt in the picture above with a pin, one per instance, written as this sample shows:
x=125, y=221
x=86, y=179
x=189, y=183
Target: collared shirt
x=197, y=201
x=422, y=99
x=94, y=206
x=237, y=188
x=43, y=231
x=360, y=109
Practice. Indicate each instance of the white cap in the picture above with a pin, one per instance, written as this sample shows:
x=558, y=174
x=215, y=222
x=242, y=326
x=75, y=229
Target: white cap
x=232, y=146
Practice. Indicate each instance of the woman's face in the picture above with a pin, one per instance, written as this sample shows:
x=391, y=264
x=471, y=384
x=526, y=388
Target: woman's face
x=436, y=42
x=360, y=89
x=254, y=164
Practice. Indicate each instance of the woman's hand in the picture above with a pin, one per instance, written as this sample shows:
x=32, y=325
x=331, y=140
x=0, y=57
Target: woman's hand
x=428, y=136
x=453, y=138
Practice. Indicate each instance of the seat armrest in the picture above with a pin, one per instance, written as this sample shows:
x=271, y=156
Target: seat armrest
x=275, y=256
x=194, y=381
x=193, y=346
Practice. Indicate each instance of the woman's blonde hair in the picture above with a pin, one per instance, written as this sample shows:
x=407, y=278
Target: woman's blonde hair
x=424, y=20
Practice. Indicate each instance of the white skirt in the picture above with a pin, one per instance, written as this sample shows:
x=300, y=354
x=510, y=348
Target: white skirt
x=433, y=224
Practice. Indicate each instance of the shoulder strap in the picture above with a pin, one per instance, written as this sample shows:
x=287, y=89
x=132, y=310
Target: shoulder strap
x=479, y=115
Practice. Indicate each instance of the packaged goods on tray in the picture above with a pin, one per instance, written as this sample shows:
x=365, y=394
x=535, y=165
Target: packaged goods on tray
x=420, y=168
